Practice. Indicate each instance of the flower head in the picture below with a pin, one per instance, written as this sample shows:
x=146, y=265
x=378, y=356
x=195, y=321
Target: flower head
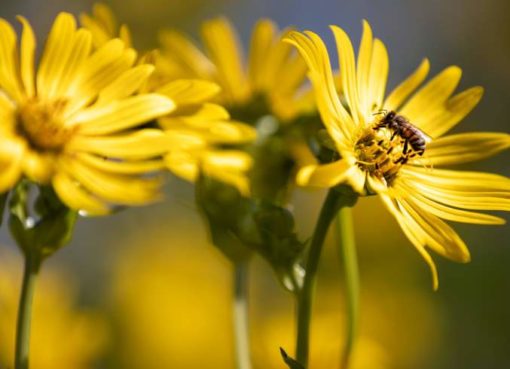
x=201, y=133
x=72, y=123
x=267, y=83
x=393, y=145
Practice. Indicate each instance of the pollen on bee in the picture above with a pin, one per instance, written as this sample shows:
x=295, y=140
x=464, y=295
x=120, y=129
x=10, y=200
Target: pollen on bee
x=380, y=154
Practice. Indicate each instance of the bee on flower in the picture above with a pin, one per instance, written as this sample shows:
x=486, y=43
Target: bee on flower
x=393, y=146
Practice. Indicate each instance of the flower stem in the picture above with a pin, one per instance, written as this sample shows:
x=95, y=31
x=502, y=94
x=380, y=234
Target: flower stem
x=306, y=294
x=241, y=330
x=350, y=264
x=32, y=264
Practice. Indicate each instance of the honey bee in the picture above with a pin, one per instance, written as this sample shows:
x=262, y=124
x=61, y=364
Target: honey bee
x=415, y=139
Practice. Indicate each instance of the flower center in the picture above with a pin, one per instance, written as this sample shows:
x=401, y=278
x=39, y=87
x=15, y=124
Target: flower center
x=387, y=145
x=41, y=124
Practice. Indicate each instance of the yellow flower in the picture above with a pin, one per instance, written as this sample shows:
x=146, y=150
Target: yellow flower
x=267, y=83
x=398, y=158
x=63, y=336
x=70, y=124
x=199, y=130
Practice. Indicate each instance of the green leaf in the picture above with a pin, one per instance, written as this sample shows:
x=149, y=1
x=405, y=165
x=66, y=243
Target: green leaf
x=291, y=363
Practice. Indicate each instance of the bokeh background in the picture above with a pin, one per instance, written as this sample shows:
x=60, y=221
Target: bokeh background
x=145, y=289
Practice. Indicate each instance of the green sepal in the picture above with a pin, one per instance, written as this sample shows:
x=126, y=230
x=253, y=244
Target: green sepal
x=49, y=229
x=240, y=226
x=291, y=363
x=222, y=206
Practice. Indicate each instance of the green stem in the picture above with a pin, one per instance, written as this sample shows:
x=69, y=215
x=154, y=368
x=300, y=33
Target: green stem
x=32, y=264
x=349, y=261
x=241, y=330
x=306, y=294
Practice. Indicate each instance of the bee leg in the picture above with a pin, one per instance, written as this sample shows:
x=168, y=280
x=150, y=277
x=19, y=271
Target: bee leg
x=406, y=147
x=394, y=135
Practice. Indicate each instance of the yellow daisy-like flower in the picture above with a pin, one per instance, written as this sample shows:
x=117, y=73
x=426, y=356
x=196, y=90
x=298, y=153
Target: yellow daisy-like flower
x=71, y=123
x=199, y=130
x=270, y=78
x=391, y=146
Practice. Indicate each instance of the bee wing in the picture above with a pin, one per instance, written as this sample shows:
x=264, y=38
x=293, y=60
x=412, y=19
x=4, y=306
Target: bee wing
x=426, y=137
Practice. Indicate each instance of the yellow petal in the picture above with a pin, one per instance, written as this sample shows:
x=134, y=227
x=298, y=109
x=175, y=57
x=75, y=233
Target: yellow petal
x=189, y=91
x=225, y=53
x=9, y=78
x=139, y=145
x=287, y=75
x=105, y=16
x=38, y=167
x=198, y=115
x=78, y=53
x=221, y=132
x=447, y=212
x=336, y=119
x=126, y=84
x=453, y=111
x=125, y=35
x=458, y=179
x=74, y=196
x=183, y=164
x=280, y=72
x=348, y=72
x=261, y=40
x=11, y=157
x=326, y=175
x=363, y=68
x=100, y=36
x=120, y=167
x=182, y=51
x=123, y=114
x=414, y=235
x=431, y=98
x=228, y=166
x=379, y=67
x=465, y=147
x=120, y=189
x=98, y=71
x=27, y=57
x=460, y=189
x=438, y=235
x=8, y=116
x=399, y=95
x=56, y=52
